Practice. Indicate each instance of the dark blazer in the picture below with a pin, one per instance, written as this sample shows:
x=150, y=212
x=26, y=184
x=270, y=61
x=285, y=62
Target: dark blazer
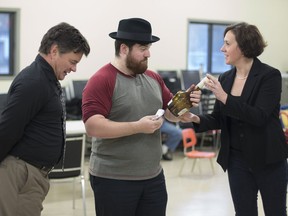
x=257, y=112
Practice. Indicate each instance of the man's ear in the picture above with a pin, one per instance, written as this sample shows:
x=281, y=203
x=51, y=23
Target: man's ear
x=124, y=49
x=54, y=50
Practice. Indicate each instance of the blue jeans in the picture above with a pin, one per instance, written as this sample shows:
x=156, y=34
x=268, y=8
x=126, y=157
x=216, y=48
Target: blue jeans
x=130, y=198
x=174, y=135
x=245, y=184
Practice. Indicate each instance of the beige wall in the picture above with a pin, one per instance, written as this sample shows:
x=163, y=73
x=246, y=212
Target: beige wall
x=169, y=19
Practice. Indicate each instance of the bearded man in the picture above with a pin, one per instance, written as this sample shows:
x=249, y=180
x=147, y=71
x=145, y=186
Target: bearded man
x=119, y=105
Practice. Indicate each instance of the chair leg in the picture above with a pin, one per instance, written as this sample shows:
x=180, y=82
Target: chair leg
x=202, y=139
x=83, y=194
x=214, y=137
x=212, y=167
x=74, y=182
x=194, y=163
x=181, y=168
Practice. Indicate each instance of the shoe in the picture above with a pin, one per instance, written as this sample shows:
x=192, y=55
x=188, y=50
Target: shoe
x=164, y=149
x=168, y=156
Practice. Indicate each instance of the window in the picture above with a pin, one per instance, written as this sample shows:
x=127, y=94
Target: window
x=8, y=43
x=204, y=43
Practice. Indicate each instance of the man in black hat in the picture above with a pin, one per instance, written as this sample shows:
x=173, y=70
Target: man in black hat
x=119, y=105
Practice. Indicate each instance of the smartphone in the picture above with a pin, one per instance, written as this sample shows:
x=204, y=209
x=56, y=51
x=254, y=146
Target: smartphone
x=159, y=114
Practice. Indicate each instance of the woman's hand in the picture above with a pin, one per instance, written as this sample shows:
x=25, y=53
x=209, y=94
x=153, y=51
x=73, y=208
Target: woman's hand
x=214, y=85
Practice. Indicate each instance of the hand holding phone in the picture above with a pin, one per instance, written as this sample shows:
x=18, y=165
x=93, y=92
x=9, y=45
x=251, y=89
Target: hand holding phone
x=159, y=114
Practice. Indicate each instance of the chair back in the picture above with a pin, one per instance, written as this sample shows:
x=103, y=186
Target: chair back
x=74, y=159
x=284, y=118
x=189, y=138
x=284, y=121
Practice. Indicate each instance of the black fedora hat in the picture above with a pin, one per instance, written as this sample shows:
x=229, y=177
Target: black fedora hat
x=134, y=29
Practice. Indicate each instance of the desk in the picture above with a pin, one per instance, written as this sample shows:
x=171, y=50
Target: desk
x=75, y=127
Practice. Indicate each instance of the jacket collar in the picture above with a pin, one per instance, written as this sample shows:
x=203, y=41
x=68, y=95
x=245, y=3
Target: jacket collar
x=251, y=79
x=250, y=82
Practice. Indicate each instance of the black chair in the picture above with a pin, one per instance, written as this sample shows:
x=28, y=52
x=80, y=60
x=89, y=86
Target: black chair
x=76, y=88
x=73, y=165
x=171, y=80
x=207, y=105
x=74, y=102
x=190, y=77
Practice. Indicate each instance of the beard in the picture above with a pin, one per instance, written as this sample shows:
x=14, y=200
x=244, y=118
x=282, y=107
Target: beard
x=138, y=67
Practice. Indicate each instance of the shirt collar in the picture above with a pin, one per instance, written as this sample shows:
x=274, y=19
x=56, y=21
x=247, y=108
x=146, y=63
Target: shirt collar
x=49, y=72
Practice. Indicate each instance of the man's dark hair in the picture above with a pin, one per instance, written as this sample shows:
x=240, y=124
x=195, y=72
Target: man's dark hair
x=68, y=39
x=128, y=43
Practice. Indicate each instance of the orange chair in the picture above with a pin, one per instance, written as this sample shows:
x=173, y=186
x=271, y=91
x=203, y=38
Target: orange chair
x=284, y=121
x=284, y=118
x=189, y=143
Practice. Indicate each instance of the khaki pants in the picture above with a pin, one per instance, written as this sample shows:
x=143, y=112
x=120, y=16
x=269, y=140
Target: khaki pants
x=23, y=188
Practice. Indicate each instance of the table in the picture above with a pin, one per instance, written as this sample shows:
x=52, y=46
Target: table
x=75, y=127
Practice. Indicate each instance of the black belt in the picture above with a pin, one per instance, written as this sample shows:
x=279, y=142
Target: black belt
x=46, y=169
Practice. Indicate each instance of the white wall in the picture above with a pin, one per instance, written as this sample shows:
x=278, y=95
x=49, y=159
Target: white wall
x=169, y=19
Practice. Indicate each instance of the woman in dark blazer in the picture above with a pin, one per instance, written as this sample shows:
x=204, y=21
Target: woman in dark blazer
x=253, y=148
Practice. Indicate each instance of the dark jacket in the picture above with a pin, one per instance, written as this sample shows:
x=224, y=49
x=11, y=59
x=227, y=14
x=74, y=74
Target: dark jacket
x=257, y=112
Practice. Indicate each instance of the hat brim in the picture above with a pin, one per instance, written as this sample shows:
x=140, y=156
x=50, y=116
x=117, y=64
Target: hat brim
x=150, y=40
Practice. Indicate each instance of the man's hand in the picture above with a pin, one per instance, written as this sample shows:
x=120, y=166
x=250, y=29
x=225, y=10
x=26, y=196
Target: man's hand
x=189, y=117
x=148, y=124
